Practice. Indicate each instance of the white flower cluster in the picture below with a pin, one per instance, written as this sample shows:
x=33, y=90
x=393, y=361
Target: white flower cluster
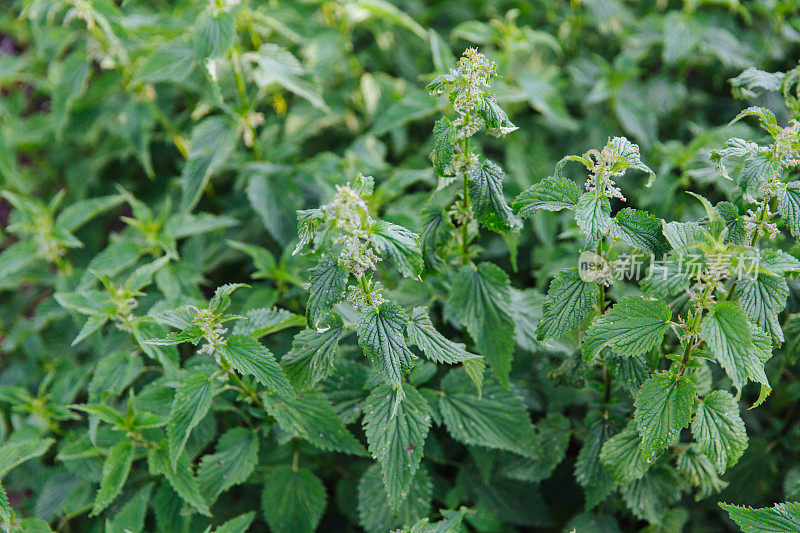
x=346, y=209
x=758, y=224
x=601, y=177
x=359, y=298
x=472, y=79
x=359, y=253
x=702, y=293
x=348, y=212
x=212, y=331
x=786, y=143
x=125, y=307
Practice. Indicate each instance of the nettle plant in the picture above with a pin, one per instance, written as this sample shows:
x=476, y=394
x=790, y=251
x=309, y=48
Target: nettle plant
x=711, y=297
x=413, y=349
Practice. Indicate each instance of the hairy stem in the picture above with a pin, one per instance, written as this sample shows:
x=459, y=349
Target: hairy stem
x=465, y=227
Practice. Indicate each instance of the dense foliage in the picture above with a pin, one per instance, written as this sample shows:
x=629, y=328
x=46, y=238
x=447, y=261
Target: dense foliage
x=326, y=265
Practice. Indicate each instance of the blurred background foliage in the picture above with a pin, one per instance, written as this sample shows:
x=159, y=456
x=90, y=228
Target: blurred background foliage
x=150, y=102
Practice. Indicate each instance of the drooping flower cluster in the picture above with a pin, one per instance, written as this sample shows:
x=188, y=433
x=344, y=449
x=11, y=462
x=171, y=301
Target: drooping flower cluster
x=364, y=294
x=757, y=223
x=348, y=212
x=213, y=331
x=603, y=173
x=472, y=80
x=786, y=149
x=469, y=86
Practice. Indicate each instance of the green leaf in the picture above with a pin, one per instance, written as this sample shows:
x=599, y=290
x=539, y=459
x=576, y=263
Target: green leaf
x=789, y=206
x=480, y=298
x=632, y=327
x=682, y=235
x=313, y=355
x=497, y=121
x=143, y=276
x=595, y=479
x=436, y=234
x=649, y=497
x=734, y=222
x=780, y=518
x=697, y=468
x=191, y=403
x=211, y=144
x=328, y=280
x=130, y=517
x=14, y=452
x=488, y=202
x=180, y=478
x=173, y=61
x=497, y=419
x=444, y=147
x=752, y=79
x=311, y=416
x=402, y=247
x=553, y=437
x=622, y=455
x=551, y=194
x=640, y=230
x=6, y=512
x=33, y=525
x=375, y=515
x=380, y=335
x=115, y=472
x=627, y=156
x=92, y=324
x=214, y=35
x=273, y=64
x=758, y=170
x=629, y=371
x=396, y=432
x=526, y=308
x=222, y=296
x=76, y=215
x=765, y=117
x=568, y=302
x=167, y=507
x=663, y=407
x=248, y=356
x=16, y=258
x=234, y=459
x=107, y=414
x=69, y=78
x=433, y=344
x=451, y=523
x=265, y=321
x=414, y=105
x=293, y=500
x=191, y=334
x=730, y=340
x=388, y=12
x=762, y=297
x=240, y=524
x=593, y=215
x=719, y=430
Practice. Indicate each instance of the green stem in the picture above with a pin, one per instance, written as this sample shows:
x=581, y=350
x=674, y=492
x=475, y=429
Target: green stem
x=687, y=352
x=244, y=388
x=761, y=214
x=240, y=84
x=601, y=297
x=607, y=392
x=244, y=99
x=465, y=227
x=362, y=280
